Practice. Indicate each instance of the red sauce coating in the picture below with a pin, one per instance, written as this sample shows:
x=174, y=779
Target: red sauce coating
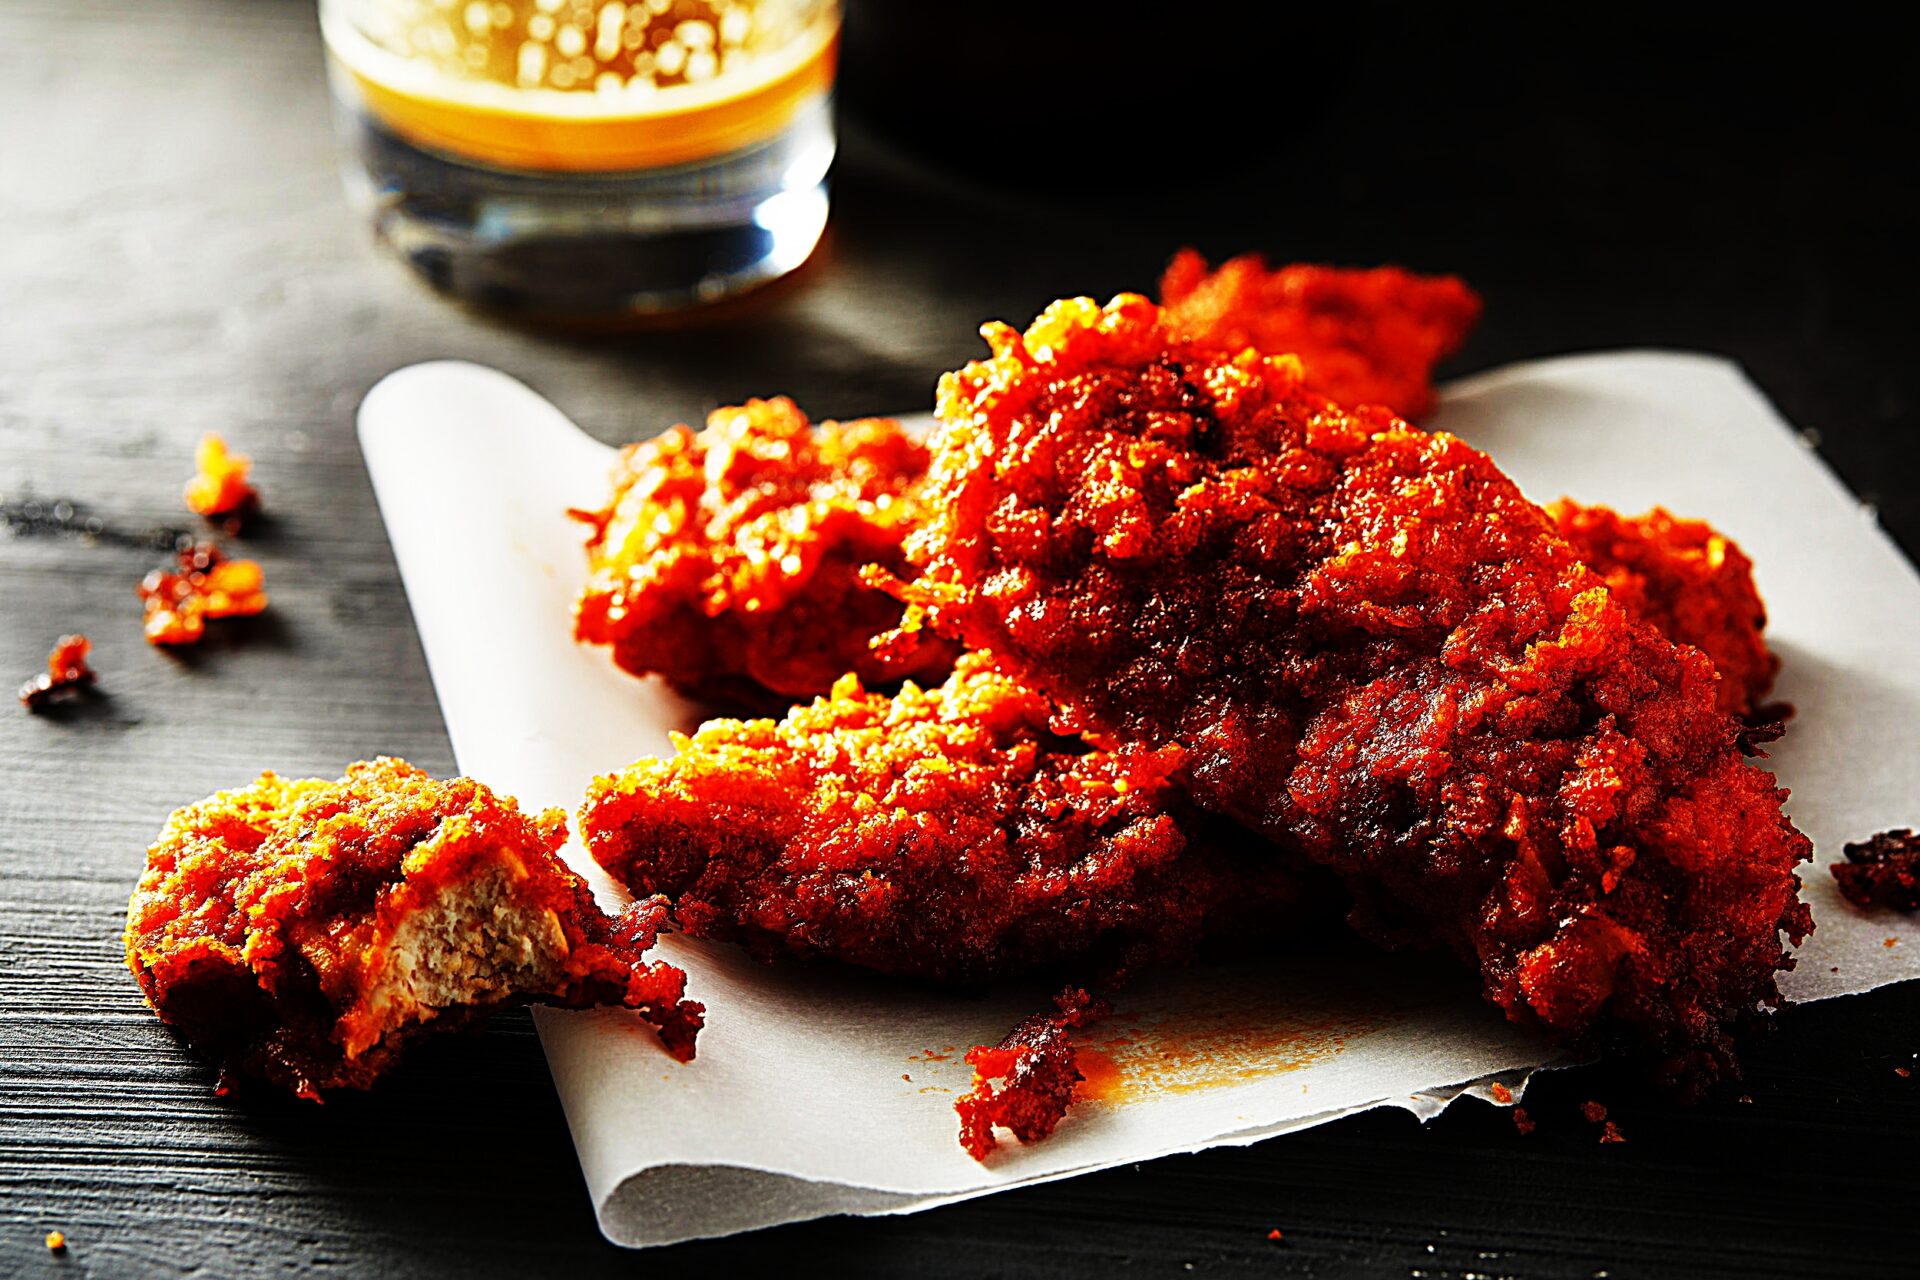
x=1373, y=650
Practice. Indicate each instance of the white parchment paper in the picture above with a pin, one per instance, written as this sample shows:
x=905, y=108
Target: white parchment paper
x=818, y=1091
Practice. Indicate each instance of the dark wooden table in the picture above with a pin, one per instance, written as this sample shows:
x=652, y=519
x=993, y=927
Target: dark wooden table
x=175, y=258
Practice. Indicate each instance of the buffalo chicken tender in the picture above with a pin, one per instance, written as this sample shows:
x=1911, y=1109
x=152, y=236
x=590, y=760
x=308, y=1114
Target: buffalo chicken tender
x=728, y=560
x=1367, y=336
x=1688, y=580
x=945, y=834
x=1370, y=648
x=304, y=932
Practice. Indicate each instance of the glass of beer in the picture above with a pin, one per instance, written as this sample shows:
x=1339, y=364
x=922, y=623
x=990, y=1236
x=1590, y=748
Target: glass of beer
x=587, y=158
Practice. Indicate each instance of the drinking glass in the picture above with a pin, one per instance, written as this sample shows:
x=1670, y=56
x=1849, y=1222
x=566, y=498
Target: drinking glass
x=586, y=157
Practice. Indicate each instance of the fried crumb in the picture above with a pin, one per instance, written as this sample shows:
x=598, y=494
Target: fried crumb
x=1276, y=1234
x=1903, y=1072
x=1522, y=1121
x=1612, y=1133
x=1037, y=1066
x=219, y=489
x=1882, y=871
x=1501, y=1094
x=1891, y=942
x=57, y=1241
x=67, y=672
x=1593, y=1111
x=1746, y=1099
x=206, y=585
x=1754, y=734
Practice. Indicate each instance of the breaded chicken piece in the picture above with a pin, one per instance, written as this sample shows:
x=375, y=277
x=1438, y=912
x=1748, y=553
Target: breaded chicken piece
x=1688, y=580
x=304, y=932
x=945, y=834
x=728, y=561
x=1374, y=651
x=1366, y=336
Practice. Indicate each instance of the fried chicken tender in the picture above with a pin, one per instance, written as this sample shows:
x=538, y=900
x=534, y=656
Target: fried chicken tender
x=1374, y=651
x=1367, y=337
x=304, y=932
x=945, y=834
x=728, y=561
x=1685, y=578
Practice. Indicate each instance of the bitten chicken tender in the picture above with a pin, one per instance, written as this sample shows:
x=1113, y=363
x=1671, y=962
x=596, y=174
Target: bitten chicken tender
x=1688, y=580
x=1367, y=337
x=944, y=834
x=728, y=561
x=304, y=932
x=1373, y=650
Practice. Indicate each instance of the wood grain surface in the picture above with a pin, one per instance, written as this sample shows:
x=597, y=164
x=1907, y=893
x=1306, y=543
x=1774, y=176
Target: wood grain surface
x=176, y=258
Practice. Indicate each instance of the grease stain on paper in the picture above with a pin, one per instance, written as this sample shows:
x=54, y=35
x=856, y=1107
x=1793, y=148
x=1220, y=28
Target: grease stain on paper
x=1129, y=1059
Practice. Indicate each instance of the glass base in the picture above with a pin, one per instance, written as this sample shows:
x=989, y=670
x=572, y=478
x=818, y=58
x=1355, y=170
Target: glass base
x=595, y=245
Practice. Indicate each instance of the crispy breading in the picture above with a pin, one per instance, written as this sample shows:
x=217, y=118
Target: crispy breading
x=304, y=931
x=1368, y=336
x=945, y=834
x=728, y=560
x=1374, y=651
x=1685, y=578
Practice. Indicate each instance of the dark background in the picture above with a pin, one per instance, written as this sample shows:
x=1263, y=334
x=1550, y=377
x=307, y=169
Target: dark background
x=175, y=258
